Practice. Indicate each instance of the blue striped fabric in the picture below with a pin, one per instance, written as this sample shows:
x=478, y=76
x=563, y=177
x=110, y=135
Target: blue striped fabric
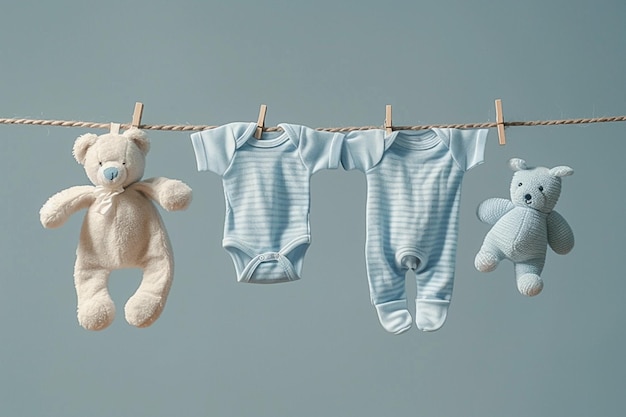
x=266, y=188
x=413, y=196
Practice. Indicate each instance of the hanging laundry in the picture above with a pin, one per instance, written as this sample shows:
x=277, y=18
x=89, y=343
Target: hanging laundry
x=413, y=196
x=525, y=225
x=266, y=186
x=122, y=227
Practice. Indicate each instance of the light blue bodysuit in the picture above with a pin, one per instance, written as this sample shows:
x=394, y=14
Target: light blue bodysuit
x=266, y=188
x=413, y=196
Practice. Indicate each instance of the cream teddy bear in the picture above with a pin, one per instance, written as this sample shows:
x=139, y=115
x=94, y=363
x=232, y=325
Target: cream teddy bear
x=524, y=226
x=121, y=229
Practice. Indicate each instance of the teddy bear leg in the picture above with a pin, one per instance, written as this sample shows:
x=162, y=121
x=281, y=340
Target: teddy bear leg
x=96, y=310
x=487, y=259
x=527, y=276
x=146, y=305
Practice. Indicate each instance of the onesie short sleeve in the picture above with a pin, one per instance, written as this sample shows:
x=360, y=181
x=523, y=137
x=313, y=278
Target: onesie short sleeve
x=364, y=149
x=318, y=149
x=467, y=146
x=215, y=148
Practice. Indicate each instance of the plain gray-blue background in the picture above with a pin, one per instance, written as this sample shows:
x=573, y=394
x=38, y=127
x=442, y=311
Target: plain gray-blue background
x=314, y=347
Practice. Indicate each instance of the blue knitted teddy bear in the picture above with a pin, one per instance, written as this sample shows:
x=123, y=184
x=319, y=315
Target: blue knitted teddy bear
x=524, y=226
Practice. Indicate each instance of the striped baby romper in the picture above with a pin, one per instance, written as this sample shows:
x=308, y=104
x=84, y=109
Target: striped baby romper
x=413, y=196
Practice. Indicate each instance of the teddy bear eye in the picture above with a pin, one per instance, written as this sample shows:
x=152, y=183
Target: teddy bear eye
x=123, y=163
x=519, y=185
x=100, y=163
x=540, y=188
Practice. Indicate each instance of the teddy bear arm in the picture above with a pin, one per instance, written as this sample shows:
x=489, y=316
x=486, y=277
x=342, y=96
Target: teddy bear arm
x=490, y=210
x=171, y=194
x=560, y=235
x=62, y=205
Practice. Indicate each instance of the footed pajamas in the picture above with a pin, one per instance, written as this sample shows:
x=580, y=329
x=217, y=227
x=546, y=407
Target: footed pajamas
x=266, y=188
x=413, y=196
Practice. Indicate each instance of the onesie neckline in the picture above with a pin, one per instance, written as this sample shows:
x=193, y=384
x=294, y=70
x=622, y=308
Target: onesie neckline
x=270, y=142
x=417, y=140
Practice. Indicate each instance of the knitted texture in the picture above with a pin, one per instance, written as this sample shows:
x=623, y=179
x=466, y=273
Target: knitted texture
x=524, y=226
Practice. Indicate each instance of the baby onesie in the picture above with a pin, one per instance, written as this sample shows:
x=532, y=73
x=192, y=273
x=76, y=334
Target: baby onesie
x=413, y=196
x=266, y=188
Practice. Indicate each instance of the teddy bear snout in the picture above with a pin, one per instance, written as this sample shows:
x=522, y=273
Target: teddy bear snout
x=111, y=173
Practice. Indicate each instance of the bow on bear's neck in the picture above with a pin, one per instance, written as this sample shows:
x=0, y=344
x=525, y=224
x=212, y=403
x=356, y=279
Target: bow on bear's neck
x=104, y=198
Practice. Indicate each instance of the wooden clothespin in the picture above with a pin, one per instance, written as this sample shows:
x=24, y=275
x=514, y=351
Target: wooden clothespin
x=500, y=123
x=137, y=115
x=388, y=122
x=260, y=124
x=136, y=122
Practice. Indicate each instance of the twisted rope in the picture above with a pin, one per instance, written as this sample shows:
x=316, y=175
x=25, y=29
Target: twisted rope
x=189, y=128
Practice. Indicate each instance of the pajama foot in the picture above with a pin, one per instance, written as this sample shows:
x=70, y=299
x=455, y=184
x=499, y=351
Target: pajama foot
x=430, y=315
x=394, y=316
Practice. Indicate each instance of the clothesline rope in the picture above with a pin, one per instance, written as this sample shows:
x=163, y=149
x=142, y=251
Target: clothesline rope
x=189, y=128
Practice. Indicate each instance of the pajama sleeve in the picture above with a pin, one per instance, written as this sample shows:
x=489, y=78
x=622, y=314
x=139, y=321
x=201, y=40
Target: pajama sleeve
x=467, y=146
x=318, y=149
x=215, y=148
x=362, y=150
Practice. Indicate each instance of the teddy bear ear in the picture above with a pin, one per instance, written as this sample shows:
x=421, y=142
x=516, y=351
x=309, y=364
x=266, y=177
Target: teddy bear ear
x=139, y=138
x=562, y=171
x=82, y=144
x=517, y=164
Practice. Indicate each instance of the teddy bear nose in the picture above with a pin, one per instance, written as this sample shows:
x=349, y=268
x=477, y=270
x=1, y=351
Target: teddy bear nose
x=528, y=197
x=111, y=173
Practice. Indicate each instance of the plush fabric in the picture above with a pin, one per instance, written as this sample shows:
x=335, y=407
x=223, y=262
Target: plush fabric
x=121, y=229
x=525, y=225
